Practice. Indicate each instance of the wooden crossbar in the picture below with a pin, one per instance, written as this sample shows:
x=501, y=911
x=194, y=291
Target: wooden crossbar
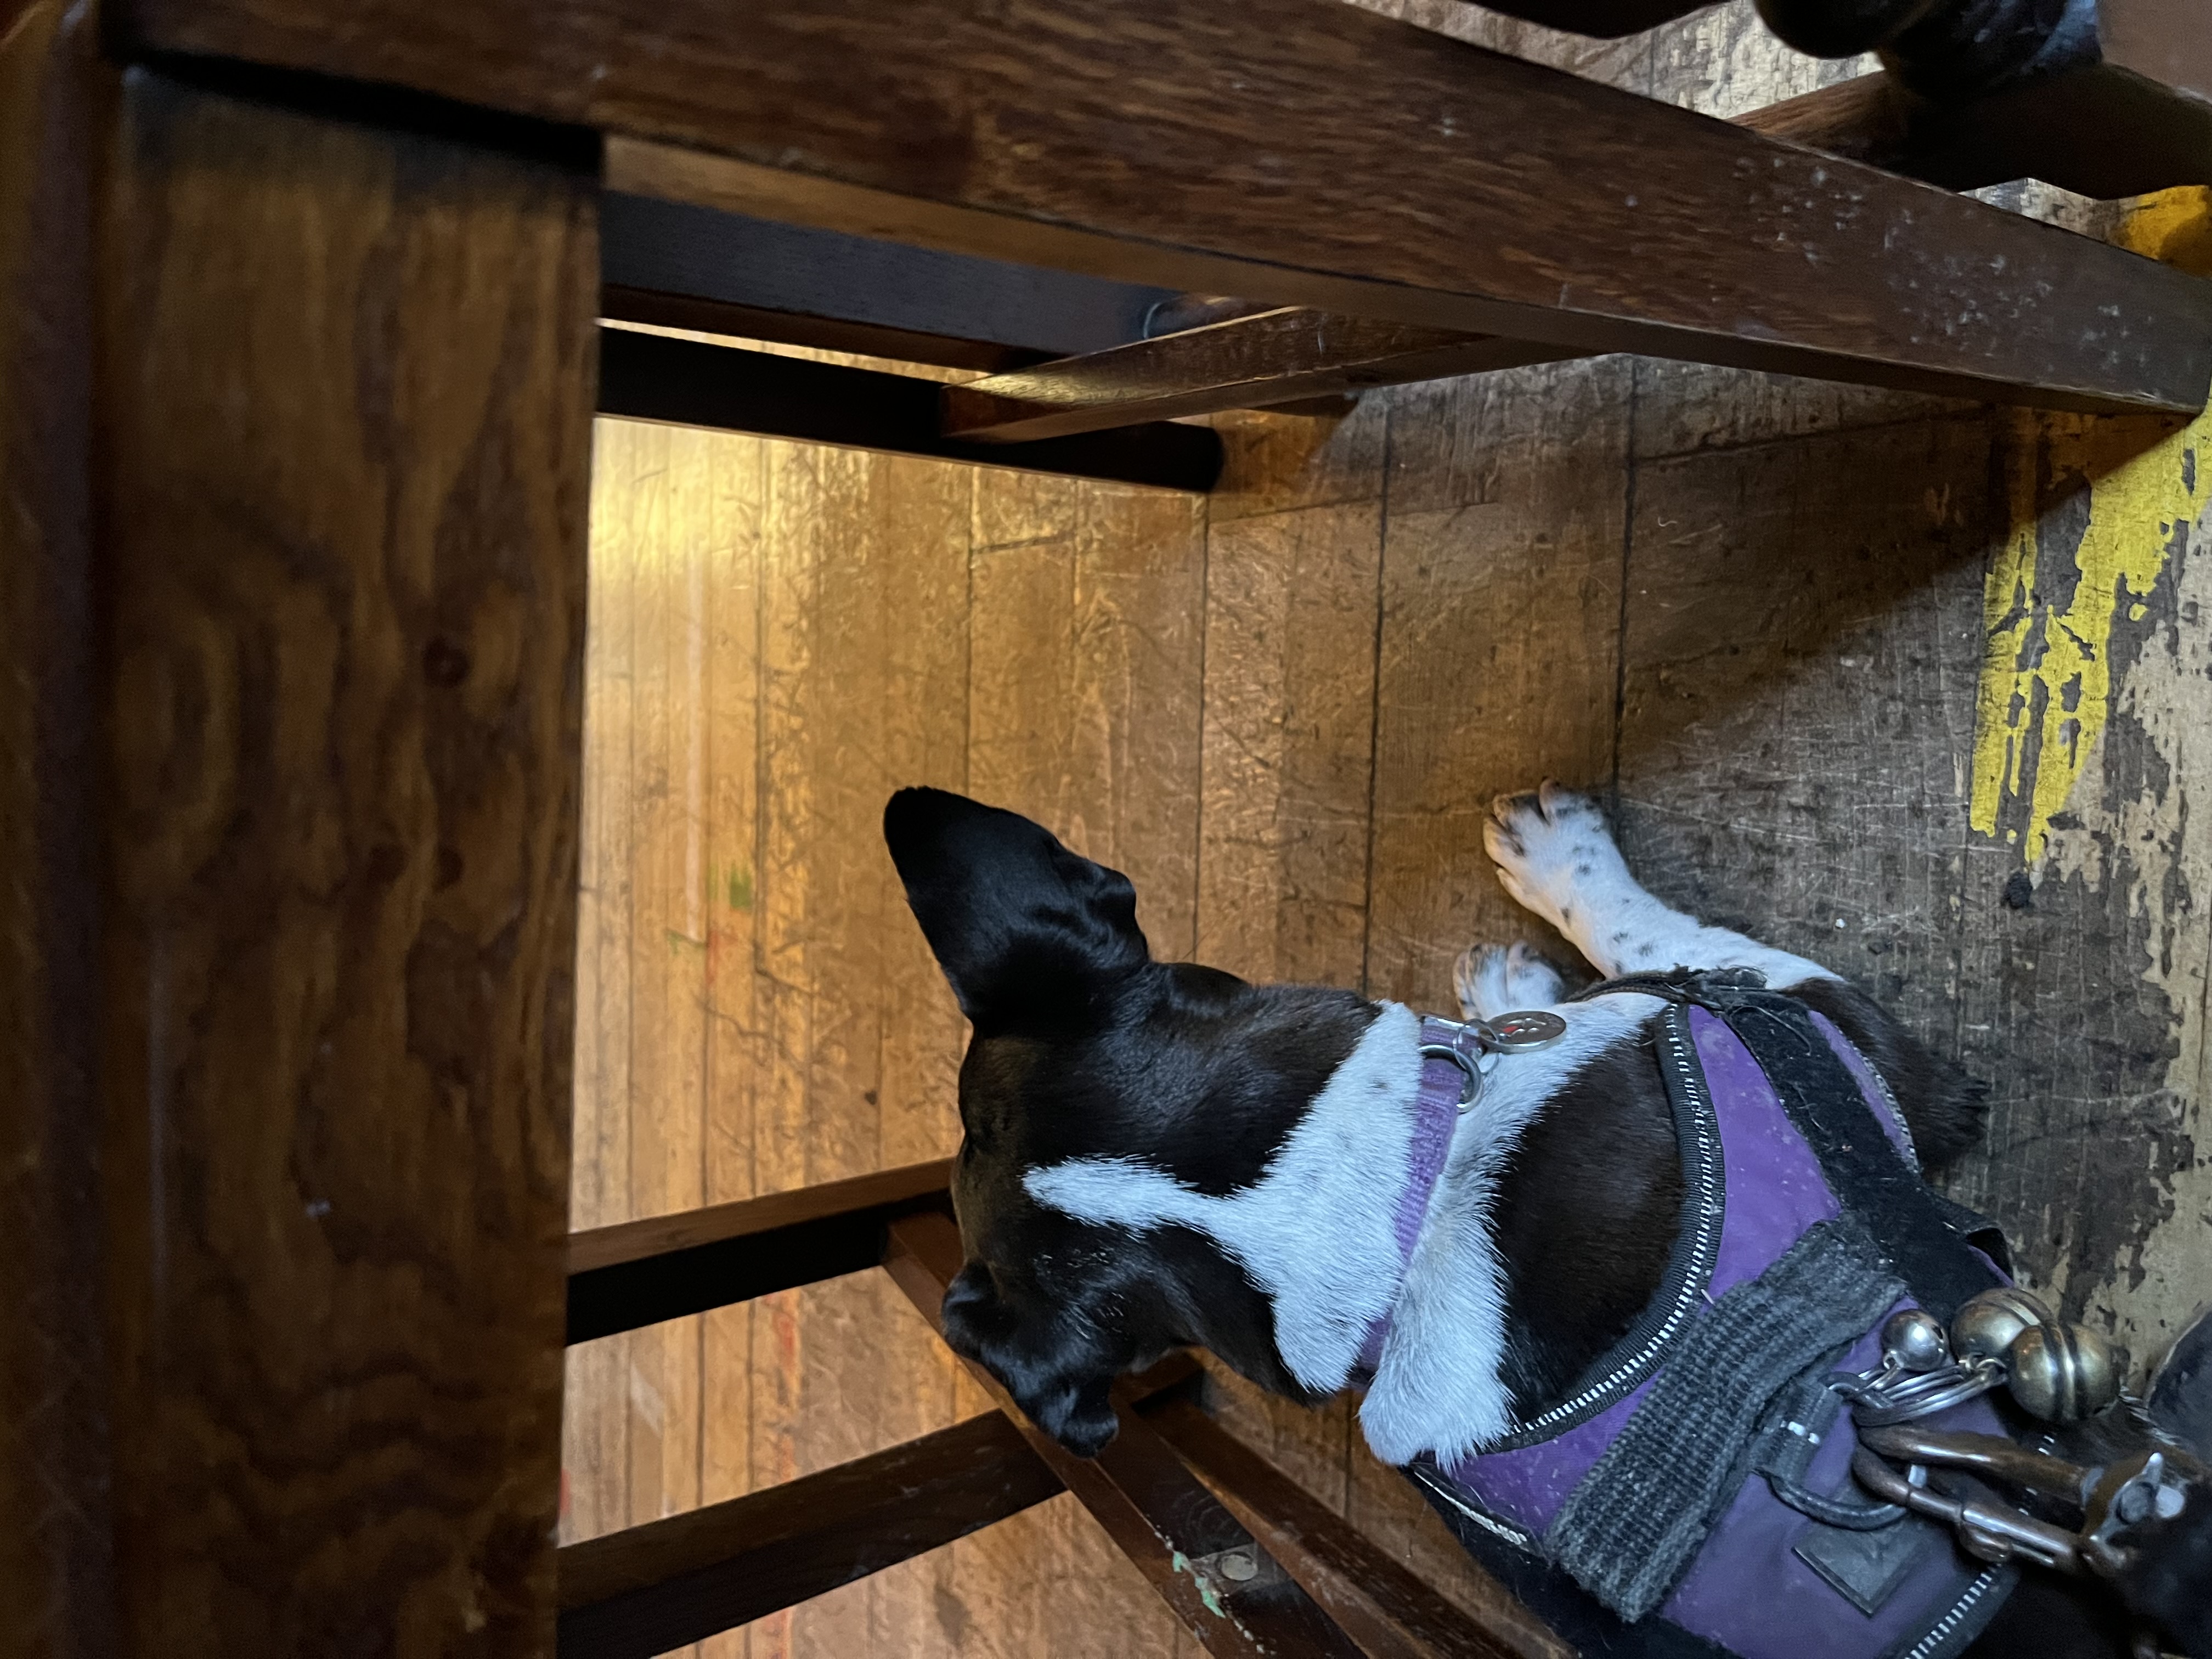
x=1248, y=362
x=640, y=1273
x=1424, y=181
x=648, y=1589
x=653, y=377
x=723, y=273
x=652, y=1589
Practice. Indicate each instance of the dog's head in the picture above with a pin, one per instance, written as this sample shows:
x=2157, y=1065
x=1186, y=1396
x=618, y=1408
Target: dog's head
x=1085, y=1049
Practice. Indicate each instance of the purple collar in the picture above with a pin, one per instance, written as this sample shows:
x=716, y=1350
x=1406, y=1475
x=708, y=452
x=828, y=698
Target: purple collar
x=1450, y=1054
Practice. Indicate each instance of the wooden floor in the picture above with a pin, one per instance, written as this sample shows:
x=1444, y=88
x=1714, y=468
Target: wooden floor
x=1918, y=689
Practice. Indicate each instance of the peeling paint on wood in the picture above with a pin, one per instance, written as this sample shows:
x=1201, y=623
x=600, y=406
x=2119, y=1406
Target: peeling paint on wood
x=2099, y=509
x=2093, y=713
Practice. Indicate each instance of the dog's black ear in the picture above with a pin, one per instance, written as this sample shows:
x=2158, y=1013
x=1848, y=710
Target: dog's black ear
x=1029, y=933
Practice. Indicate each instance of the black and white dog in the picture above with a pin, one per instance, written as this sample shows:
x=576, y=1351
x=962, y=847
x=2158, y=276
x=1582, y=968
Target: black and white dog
x=1159, y=1155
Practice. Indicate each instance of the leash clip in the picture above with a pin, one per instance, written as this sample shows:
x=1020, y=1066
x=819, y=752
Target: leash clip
x=1509, y=1034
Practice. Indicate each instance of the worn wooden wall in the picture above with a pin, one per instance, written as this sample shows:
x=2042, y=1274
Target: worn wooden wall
x=1919, y=687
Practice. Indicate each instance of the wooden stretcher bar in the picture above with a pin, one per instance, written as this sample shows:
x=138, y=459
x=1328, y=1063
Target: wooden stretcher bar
x=1421, y=181
x=654, y=377
x=1248, y=362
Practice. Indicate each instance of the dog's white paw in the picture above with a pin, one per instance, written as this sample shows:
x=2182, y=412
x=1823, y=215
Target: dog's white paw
x=1500, y=979
x=1555, y=855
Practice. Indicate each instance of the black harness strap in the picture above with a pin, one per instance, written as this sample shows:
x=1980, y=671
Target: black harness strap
x=1907, y=1220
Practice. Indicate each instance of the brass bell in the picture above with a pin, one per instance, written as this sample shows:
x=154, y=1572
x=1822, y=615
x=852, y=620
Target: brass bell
x=1986, y=1325
x=2062, y=1373
x=1913, y=1339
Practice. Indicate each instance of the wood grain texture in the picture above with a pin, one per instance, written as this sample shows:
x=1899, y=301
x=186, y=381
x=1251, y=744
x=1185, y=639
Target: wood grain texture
x=55, y=1515
x=1502, y=573
x=675, y=521
x=1290, y=724
x=1083, y=704
x=1113, y=142
x=811, y=604
x=345, y=583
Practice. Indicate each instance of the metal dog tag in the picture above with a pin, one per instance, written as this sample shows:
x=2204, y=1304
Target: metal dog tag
x=1513, y=1034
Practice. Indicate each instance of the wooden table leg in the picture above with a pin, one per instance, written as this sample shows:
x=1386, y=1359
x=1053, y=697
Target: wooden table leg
x=295, y=629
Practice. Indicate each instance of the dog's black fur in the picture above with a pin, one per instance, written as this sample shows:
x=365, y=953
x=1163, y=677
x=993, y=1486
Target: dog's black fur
x=1083, y=1046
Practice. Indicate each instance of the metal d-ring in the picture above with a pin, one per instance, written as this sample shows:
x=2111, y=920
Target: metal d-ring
x=1471, y=1089
x=1876, y=1405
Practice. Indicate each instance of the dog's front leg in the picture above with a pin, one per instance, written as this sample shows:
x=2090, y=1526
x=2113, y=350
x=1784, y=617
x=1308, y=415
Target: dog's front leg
x=1556, y=857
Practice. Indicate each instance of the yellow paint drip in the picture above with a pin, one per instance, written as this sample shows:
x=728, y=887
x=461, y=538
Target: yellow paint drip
x=2046, y=686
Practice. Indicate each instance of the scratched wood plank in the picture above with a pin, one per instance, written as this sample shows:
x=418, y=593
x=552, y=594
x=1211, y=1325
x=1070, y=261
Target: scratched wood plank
x=916, y=730
x=596, y=1419
x=734, y=1053
x=1793, y=727
x=1275, y=463
x=1290, y=713
x=865, y=604
x=1501, y=604
x=342, y=573
x=672, y=526
x=1083, y=701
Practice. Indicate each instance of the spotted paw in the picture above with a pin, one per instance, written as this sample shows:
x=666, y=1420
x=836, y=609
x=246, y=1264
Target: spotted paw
x=1555, y=855
x=1497, y=979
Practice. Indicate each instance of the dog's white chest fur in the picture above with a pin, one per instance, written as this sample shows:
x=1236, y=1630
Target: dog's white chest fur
x=1317, y=1232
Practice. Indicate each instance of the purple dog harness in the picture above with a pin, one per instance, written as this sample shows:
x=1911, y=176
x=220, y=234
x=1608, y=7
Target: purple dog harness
x=1691, y=1494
